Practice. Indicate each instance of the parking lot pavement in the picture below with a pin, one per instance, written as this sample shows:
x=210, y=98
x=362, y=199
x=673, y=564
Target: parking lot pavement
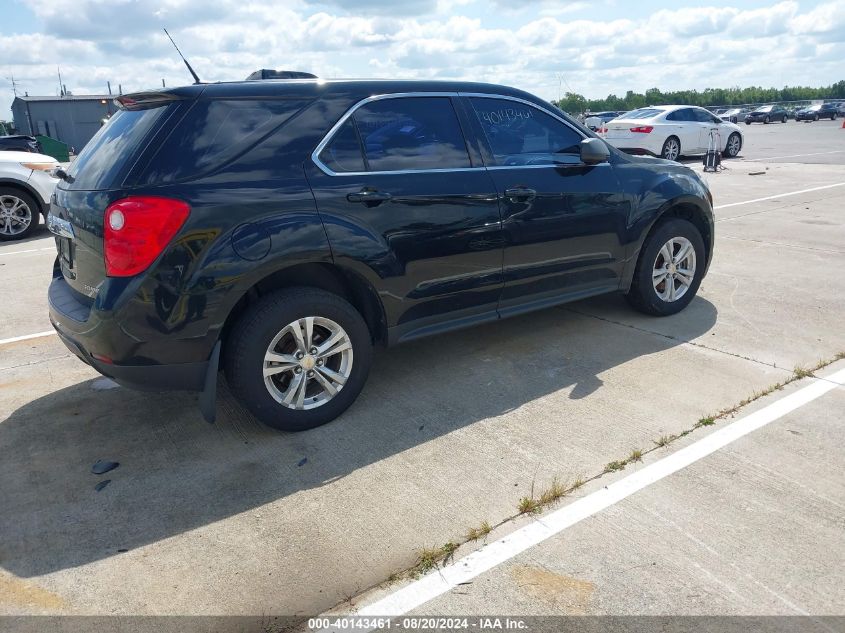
x=753, y=529
x=817, y=142
x=450, y=432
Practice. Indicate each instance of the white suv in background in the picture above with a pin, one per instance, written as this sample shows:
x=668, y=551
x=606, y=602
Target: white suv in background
x=671, y=132
x=26, y=186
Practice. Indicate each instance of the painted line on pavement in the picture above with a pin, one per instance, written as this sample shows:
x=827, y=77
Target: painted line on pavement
x=26, y=337
x=442, y=580
x=836, y=151
x=780, y=195
x=29, y=250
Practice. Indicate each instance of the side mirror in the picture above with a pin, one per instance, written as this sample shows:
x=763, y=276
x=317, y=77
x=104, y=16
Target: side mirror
x=594, y=151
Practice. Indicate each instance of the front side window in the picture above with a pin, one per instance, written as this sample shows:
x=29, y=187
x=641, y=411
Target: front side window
x=411, y=133
x=520, y=134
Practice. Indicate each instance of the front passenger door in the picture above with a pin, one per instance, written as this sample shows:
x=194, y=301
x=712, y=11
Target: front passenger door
x=563, y=222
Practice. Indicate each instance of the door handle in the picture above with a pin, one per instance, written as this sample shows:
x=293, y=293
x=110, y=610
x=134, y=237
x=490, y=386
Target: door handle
x=368, y=197
x=520, y=194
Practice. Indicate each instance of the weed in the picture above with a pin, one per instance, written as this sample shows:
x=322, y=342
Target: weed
x=614, y=466
x=554, y=492
x=635, y=456
x=665, y=440
x=528, y=505
x=800, y=372
x=475, y=533
x=708, y=421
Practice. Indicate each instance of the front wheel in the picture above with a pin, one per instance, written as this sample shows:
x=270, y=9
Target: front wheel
x=783, y=120
x=669, y=269
x=298, y=358
x=19, y=214
x=671, y=149
x=768, y=120
x=816, y=118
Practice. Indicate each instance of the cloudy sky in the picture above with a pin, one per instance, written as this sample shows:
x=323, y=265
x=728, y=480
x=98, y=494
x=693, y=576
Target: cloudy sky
x=544, y=46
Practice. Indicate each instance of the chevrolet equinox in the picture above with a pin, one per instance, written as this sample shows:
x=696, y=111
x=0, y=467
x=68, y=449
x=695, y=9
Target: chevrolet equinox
x=279, y=229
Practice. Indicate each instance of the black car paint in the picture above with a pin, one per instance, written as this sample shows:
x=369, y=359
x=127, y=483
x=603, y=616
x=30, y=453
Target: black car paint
x=20, y=143
x=814, y=113
x=447, y=250
x=771, y=115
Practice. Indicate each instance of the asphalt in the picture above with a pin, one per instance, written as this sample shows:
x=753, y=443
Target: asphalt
x=451, y=432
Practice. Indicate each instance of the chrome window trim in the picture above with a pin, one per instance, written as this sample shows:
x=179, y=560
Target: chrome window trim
x=400, y=95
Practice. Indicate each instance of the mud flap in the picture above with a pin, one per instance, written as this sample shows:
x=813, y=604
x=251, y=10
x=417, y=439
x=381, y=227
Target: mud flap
x=208, y=397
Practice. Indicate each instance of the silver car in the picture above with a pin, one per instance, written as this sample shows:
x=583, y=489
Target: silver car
x=734, y=115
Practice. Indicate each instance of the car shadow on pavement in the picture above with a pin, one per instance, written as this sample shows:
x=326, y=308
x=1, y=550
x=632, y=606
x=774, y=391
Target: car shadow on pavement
x=178, y=473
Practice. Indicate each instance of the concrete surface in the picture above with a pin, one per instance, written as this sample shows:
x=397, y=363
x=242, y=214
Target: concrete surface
x=238, y=519
x=754, y=529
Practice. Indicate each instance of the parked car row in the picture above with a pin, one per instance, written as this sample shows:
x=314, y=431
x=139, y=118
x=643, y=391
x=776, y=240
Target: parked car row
x=819, y=111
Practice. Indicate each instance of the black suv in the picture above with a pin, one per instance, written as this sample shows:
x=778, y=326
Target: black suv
x=280, y=229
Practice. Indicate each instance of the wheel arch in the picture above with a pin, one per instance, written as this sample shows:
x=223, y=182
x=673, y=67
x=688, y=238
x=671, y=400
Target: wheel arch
x=685, y=208
x=26, y=188
x=330, y=277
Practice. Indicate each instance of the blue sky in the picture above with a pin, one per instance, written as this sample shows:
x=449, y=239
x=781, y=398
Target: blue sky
x=594, y=48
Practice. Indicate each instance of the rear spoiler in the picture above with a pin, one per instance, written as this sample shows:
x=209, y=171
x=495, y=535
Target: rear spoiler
x=145, y=100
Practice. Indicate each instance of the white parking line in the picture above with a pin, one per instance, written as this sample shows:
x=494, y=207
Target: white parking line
x=30, y=250
x=26, y=337
x=440, y=581
x=836, y=151
x=780, y=195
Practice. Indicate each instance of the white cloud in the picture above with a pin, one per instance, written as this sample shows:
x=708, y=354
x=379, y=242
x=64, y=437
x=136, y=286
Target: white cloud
x=540, y=45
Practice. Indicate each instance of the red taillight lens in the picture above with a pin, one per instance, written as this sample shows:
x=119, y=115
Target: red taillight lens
x=643, y=129
x=601, y=130
x=136, y=231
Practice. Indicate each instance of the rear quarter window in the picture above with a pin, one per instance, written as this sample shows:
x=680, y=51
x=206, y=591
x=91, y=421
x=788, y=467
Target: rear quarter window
x=214, y=132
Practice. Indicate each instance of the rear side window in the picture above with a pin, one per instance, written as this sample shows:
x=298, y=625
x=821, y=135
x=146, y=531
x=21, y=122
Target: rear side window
x=411, y=133
x=214, y=132
x=643, y=113
x=520, y=134
x=108, y=156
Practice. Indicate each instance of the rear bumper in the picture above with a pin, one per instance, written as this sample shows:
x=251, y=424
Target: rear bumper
x=91, y=339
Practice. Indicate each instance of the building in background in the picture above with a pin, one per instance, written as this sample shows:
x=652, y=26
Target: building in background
x=71, y=119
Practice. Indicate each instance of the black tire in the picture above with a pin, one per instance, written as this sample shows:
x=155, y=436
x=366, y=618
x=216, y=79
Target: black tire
x=816, y=118
x=642, y=296
x=783, y=120
x=728, y=152
x=251, y=337
x=747, y=122
x=767, y=120
x=34, y=210
x=666, y=145
x=833, y=116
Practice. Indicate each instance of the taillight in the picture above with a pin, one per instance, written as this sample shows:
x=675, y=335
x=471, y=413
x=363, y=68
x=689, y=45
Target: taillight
x=643, y=129
x=137, y=229
x=601, y=130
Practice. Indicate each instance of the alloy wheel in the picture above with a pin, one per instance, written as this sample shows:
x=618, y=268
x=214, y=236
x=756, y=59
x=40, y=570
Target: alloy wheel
x=15, y=215
x=674, y=269
x=733, y=145
x=307, y=363
x=671, y=150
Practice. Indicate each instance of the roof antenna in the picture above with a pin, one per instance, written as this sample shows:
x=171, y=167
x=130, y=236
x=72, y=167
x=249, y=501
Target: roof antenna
x=190, y=70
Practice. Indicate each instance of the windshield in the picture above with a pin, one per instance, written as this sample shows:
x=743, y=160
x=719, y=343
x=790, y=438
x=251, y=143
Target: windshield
x=764, y=109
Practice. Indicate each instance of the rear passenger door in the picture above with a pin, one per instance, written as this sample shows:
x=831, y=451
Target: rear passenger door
x=563, y=221
x=687, y=128
x=409, y=206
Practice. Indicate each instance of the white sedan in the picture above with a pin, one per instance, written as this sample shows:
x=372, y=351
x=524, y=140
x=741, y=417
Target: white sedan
x=672, y=131
x=26, y=186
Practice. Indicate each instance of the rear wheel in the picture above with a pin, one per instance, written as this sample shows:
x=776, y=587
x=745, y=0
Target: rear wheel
x=19, y=214
x=783, y=120
x=298, y=358
x=733, y=146
x=816, y=118
x=671, y=148
x=669, y=269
